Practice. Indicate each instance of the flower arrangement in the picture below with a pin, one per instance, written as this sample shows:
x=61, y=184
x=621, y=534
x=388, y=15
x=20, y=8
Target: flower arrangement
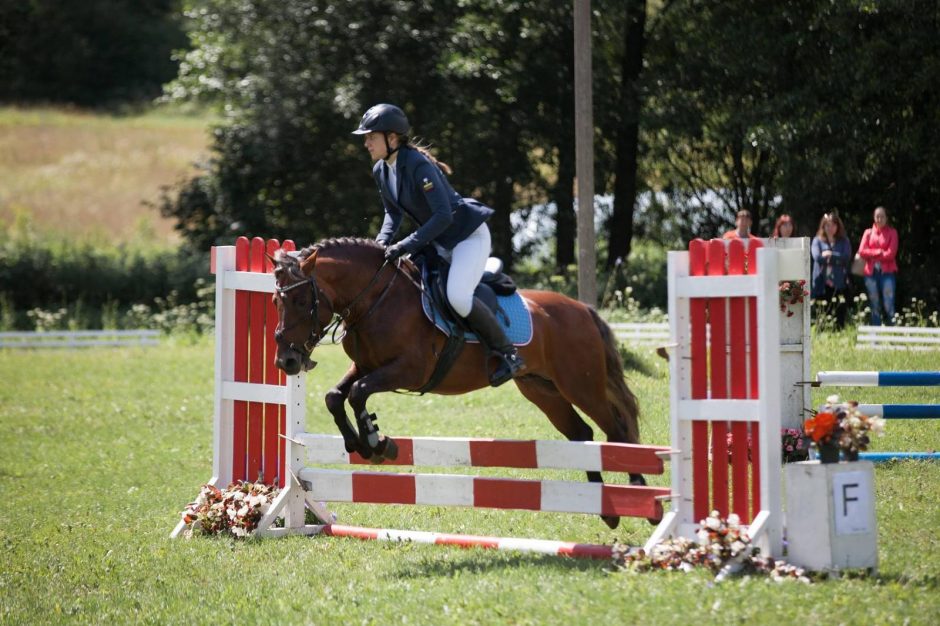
x=840, y=426
x=723, y=547
x=791, y=292
x=794, y=445
x=236, y=509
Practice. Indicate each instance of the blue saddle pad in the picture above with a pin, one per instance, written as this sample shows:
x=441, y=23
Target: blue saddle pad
x=518, y=327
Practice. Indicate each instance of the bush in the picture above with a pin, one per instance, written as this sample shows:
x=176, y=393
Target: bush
x=89, y=285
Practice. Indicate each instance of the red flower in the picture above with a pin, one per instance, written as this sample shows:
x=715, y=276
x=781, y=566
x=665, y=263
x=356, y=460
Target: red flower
x=821, y=426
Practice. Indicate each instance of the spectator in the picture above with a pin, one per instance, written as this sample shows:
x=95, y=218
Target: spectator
x=879, y=248
x=832, y=256
x=743, y=223
x=784, y=227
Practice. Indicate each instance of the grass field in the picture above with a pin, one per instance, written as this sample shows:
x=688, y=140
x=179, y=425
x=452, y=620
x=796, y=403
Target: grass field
x=90, y=175
x=103, y=448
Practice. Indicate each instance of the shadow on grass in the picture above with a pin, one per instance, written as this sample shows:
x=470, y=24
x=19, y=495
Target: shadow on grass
x=482, y=561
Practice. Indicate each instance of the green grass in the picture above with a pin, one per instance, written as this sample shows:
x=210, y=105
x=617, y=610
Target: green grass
x=103, y=448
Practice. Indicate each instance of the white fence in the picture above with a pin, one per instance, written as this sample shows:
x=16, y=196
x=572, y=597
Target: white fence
x=78, y=338
x=898, y=338
x=641, y=333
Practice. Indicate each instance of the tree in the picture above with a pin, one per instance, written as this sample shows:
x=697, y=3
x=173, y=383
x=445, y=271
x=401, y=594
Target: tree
x=90, y=53
x=626, y=171
x=292, y=79
x=802, y=107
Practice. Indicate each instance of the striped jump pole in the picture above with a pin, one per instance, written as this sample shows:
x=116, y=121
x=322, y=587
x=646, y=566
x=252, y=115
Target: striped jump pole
x=441, y=489
x=877, y=379
x=884, y=457
x=886, y=379
x=333, y=485
x=902, y=411
x=888, y=411
x=542, y=546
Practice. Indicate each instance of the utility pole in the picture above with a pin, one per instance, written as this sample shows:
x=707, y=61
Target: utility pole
x=584, y=152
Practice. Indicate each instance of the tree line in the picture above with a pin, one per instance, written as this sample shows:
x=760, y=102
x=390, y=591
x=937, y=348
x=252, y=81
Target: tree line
x=701, y=109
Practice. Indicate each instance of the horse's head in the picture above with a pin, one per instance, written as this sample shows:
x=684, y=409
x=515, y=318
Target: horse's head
x=298, y=300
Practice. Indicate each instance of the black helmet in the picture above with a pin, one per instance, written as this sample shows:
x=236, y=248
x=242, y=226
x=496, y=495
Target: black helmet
x=383, y=118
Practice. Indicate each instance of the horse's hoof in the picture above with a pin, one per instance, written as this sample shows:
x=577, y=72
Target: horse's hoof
x=364, y=451
x=612, y=521
x=387, y=449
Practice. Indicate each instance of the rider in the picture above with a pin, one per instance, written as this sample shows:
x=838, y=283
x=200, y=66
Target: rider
x=412, y=181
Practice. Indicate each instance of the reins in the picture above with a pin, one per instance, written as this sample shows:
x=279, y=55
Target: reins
x=343, y=317
x=348, y=309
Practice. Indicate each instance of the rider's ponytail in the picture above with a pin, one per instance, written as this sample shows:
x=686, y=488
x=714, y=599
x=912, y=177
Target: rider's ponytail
x=425, y=150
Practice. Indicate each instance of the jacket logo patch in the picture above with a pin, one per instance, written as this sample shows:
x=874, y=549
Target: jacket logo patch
x=428, y=185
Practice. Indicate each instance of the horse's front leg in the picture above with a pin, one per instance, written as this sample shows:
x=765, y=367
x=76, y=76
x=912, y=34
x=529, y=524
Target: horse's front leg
x=386, y=378
x=336, y=405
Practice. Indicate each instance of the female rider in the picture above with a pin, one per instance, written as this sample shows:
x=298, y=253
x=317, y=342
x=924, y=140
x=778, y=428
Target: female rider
x=412, y=181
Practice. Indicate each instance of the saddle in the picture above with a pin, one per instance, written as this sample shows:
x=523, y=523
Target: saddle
x=494, y=285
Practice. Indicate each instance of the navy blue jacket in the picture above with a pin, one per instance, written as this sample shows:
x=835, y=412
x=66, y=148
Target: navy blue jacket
x=425, y=195
x=839, y=263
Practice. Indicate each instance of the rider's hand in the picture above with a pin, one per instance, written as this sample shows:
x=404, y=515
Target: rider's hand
x=394, y=251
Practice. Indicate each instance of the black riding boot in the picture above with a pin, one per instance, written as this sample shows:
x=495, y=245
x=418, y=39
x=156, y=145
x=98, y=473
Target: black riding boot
x=487, y=328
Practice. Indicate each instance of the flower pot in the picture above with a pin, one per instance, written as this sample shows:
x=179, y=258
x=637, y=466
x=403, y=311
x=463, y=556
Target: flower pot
x=851, y=455
x=828, y=453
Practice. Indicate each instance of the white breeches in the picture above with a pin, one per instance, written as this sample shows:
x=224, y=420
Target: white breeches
x=468, y=260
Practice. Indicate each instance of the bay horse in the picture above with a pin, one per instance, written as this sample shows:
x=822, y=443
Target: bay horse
x=572, y=360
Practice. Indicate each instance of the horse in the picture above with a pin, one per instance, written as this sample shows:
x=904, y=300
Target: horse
x=571, y=361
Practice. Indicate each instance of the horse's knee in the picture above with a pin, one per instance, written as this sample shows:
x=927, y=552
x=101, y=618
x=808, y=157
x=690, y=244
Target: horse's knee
x=334, y=400
x=358, y=394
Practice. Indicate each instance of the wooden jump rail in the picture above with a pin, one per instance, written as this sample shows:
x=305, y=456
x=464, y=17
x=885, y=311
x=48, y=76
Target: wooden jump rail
x=490, y=492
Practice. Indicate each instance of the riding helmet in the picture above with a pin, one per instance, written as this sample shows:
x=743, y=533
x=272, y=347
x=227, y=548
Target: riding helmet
x=383, y=118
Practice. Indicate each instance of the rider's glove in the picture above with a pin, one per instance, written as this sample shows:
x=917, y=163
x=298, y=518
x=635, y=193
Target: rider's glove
x=394, y=251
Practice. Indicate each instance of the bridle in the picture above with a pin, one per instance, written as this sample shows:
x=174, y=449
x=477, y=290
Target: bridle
x=318, y=332
x=315, y=333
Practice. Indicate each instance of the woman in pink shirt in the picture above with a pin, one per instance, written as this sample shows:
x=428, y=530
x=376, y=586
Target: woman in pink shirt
x=879, y=247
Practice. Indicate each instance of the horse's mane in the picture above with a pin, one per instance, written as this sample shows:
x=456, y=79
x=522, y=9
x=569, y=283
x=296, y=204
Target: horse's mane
x=291, y=263
x=339, y=242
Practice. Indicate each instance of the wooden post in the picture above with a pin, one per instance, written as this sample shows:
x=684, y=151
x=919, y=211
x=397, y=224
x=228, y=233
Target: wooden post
x=584, y=152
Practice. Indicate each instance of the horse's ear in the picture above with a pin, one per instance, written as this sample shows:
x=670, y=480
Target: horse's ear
x=270, y=259
x=306, y=266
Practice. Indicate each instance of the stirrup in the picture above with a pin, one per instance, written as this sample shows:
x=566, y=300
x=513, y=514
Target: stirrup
x=509, y=364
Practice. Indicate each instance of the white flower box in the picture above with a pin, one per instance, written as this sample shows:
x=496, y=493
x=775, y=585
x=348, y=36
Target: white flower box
x=830, y=516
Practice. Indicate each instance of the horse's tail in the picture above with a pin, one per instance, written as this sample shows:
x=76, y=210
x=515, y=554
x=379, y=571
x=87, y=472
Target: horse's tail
x=622, y=401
